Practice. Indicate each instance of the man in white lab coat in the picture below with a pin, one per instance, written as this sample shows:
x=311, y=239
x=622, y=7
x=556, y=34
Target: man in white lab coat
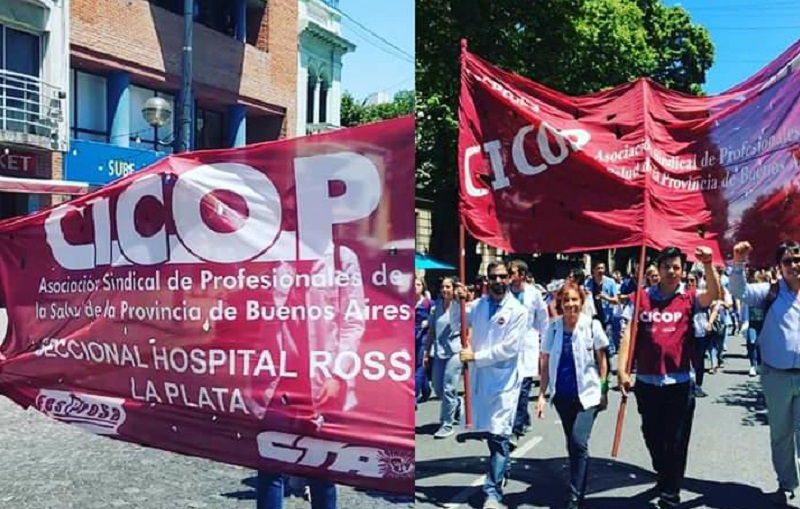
x=532, y=300
x=499, y=323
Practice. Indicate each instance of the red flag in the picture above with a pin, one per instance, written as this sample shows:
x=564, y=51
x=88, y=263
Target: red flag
x=250, y=306
x=542, y=171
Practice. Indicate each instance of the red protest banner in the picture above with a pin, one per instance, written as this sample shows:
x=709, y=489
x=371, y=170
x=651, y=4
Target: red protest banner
x=250, y=306
x=637, y=164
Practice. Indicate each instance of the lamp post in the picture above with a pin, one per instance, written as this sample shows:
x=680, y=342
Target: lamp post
x=156, y=112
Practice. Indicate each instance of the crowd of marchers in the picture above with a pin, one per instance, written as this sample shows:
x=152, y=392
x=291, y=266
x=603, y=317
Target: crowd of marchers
x=571, y=333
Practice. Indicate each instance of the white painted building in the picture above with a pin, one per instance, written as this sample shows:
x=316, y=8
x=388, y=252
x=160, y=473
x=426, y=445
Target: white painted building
x=378, y=98
x=320, y=51
x=34, y=83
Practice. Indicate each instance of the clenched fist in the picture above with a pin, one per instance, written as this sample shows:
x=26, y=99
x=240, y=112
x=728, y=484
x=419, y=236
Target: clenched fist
x=741, y=250
x=703, y=254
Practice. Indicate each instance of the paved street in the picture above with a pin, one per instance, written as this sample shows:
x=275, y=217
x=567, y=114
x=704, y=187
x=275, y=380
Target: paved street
x=729, y=459
x=48, y=465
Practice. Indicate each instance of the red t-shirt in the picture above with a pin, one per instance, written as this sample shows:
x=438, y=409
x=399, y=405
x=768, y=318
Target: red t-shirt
x=665, y=334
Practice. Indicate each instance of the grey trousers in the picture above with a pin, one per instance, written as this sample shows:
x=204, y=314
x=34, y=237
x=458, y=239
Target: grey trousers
x=446, y=375
x=782, y=393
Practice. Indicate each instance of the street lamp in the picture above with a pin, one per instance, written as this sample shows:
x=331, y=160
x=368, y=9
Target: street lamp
x=156, y=112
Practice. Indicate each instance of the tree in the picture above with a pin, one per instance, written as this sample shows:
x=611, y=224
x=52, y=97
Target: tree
x=574, y=46
x=355, y=113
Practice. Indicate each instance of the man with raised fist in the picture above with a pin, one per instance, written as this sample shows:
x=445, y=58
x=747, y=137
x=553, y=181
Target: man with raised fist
x=663, y=353
x=779, y=344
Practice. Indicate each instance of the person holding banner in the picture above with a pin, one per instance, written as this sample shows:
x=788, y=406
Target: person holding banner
x=663, y=353
x=574, y=364
x=499, y=324
x=532, y=300
x=779, y=341
x=331, y=396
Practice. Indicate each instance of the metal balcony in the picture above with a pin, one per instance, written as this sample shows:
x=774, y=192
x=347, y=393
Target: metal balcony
x=31, y=111
x=331, y=3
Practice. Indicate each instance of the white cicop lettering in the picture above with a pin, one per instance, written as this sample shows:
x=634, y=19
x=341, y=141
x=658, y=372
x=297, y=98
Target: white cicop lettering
x=318, y=211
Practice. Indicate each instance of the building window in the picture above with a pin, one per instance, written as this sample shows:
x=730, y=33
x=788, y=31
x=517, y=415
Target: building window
x=210, y=130
x=141, y=133
x=20, y=88
x=323, y=102
x=215, y=14
x=89, y=106
x=312, y=83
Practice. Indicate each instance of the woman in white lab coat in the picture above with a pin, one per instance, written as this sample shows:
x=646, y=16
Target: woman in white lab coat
x=574, y=366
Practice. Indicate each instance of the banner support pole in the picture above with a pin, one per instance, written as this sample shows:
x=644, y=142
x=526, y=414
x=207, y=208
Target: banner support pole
x=631, y=348
x=462, y=272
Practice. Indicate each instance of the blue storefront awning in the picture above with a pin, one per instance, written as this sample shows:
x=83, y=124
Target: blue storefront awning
x=101, y=163
x=423, y=262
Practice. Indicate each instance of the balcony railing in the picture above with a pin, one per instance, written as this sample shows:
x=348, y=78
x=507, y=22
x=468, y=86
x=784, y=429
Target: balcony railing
x=30, y=106
x=331, y=3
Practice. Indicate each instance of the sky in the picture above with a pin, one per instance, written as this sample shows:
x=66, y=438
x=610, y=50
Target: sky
x=747, y=35
x=375, y=66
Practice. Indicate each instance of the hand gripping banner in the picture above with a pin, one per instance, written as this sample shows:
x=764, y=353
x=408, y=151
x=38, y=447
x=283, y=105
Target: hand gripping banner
x=250, y=306
x=637, y=164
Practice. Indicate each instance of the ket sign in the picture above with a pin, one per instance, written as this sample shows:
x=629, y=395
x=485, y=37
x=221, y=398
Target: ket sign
x=17, y=163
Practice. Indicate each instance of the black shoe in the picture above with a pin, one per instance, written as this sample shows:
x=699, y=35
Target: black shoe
x=781, y=497
x=668, y=500
x=700, y=393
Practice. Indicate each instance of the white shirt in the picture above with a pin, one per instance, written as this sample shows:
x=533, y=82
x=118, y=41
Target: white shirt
x=587, y=337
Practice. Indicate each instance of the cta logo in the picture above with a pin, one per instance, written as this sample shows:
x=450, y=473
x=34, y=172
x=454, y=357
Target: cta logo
x=660, y=317
x=352, y=459
x=96, y=414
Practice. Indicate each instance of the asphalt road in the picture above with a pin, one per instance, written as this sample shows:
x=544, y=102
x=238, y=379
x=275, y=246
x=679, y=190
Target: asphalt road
x=48, y=465
x=728, y=467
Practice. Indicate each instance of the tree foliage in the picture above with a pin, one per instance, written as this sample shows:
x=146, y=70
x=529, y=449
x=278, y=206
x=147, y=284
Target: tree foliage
x=356, y=113
x=573, y=46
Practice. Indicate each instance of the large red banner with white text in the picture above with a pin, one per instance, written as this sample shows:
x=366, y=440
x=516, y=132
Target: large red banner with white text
x=251, y=306
x=637, y=164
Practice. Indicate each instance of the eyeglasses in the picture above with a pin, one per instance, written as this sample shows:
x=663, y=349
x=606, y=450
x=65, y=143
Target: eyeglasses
x=787, y=262
x=497, y=276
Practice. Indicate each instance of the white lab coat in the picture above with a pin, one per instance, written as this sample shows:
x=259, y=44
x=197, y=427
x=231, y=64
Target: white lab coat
x=587, y=337
x=494, y=376
x=533, y=302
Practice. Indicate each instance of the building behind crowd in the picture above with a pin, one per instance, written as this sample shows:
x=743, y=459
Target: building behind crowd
x=34, y=103
x=76, y=74
x=319, y=64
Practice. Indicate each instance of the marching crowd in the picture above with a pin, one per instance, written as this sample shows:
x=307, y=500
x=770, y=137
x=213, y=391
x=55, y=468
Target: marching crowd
x=572, y=332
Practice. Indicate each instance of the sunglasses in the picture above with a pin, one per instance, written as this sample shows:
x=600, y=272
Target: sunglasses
x=788, y=262
x=493, y=277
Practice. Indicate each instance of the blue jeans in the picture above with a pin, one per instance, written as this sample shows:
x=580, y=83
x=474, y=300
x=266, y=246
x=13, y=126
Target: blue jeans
x=701, y=346
x=446, y=373
x=717, y=348
x=269, y=492
x=615, y=335
x=752, y=346
x=422, y=388
x=498, y=464
x=523, y=417
x=577, y=423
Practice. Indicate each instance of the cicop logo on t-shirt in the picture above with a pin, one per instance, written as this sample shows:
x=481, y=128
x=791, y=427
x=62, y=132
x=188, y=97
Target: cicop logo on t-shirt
x=660, y=317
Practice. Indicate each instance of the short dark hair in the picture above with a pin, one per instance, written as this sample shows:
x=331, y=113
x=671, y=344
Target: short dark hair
x=597, y=262
x=522, y=267
x=667, y=254
x=789, y=245
x=579, y=275
x=493, y=265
